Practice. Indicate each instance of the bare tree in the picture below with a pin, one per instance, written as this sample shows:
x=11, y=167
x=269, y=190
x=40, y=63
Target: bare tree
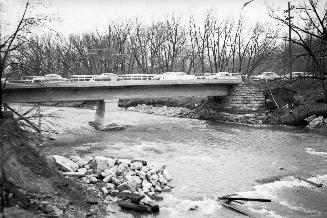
x=9, y=44
x=309, y=23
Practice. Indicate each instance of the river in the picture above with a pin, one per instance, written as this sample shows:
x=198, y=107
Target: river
x=206, y=159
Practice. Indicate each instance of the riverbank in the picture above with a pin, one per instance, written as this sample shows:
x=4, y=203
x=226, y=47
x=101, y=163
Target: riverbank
x=206, y=159
x=202, y=112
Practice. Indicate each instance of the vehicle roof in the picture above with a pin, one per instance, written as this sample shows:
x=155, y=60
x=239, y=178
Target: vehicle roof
x=51, y=74
x=174, y=73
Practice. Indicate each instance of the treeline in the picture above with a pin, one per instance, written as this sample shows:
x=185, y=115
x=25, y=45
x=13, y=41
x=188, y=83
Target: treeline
x=171, y=45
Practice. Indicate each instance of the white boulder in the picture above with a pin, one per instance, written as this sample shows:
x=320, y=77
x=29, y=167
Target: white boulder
x=64, y=163
x=109, y=171
x=166, y=175
x=316, y=123
x=138, y=165
x=146, y=186
x=80, y=161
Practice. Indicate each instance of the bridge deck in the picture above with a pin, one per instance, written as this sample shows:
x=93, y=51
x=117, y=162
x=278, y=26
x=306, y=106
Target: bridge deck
x=121, y=83
x=77, y=91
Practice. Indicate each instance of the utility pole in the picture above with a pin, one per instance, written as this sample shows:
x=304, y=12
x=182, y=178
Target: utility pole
x=290, y=39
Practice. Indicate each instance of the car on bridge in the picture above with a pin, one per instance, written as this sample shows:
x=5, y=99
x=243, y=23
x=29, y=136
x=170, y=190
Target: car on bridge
x=222, y=75
x=174, y=76
x=48, y=78
x=296, y=75
x=105, y=77
x=266, y=76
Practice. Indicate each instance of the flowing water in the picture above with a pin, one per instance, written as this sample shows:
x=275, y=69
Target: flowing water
x=209, y=159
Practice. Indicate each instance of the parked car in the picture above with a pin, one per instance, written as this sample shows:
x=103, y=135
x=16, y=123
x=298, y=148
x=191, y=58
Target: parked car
x=48, y=78
x=106, y=77
x=54, y=78
x=176, y=76
x=295, y=75
x=222, y=75
x=266, y=76
x=37, y=79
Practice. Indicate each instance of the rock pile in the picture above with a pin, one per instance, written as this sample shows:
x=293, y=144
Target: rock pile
x=315, y=122
x=133, y=180
x=162, y=110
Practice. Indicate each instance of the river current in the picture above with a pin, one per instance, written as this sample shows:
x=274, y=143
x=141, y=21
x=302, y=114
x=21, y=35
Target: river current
x=206, y=160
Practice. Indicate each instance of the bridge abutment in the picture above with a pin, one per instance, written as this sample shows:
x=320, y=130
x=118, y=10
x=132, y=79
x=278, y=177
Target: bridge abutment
x=103, y=111
x=244, y=98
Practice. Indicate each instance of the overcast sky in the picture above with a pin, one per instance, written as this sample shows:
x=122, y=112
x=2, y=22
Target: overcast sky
x=78, y=16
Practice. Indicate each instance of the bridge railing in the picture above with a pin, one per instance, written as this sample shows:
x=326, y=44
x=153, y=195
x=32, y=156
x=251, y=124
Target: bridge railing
x=82, y=78
x=136, y=76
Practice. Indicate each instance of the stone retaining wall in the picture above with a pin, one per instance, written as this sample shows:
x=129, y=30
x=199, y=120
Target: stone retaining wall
x=244, y=98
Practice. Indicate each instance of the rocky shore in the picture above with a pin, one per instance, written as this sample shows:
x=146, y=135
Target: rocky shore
x=206, y=113
x=133, y=184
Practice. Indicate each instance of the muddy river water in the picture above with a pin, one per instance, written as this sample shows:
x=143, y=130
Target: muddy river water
x=207, y=159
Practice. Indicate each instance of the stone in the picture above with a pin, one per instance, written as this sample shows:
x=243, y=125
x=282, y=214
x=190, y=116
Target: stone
x=114, y=192
x=112, y=127
x=127, y=161
x=86, y=180
x=316, y=123
x=92, y=179
x=136, y=180
x=80, y=161
x=88, y=159
x=112, y=162
x=137, y=165
x=122, y=168
x=104, y=190
x=146, y=186
x=115, y=181
x=309, y=119
x=130, y=185
x=82, y=170
x=162, y=179
x=141, y=174
x=147, y=200
x=157, y=188
x=109, y=177
x=112, y=199
x=166, y=175
x=193, y=207
x=54, y=211
x=74, y=174
x=101, y=163
x=64, y=163
x=110, y=186
x=154, y=177
x=109, y=171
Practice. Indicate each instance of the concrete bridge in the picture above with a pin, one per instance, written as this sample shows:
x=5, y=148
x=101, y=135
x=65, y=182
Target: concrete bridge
x=107, y=94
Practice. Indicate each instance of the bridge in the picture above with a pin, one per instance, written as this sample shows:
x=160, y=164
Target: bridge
x=107, y=93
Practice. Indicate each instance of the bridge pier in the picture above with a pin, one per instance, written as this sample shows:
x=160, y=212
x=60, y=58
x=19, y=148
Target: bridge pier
x=102, y=113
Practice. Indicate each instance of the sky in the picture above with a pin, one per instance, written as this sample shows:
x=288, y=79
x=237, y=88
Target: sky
x=79, y=16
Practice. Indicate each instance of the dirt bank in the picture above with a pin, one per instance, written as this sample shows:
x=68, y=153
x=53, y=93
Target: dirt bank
x=32, y=182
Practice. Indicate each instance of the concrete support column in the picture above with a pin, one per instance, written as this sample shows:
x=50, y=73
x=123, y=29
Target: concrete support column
x=104, y=107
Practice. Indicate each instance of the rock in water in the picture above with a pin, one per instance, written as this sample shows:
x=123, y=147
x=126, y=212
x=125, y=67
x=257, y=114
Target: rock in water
x=166, y=175
x=309, y=119
x=64, y=163
x=128, y=205
x=315, y=123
